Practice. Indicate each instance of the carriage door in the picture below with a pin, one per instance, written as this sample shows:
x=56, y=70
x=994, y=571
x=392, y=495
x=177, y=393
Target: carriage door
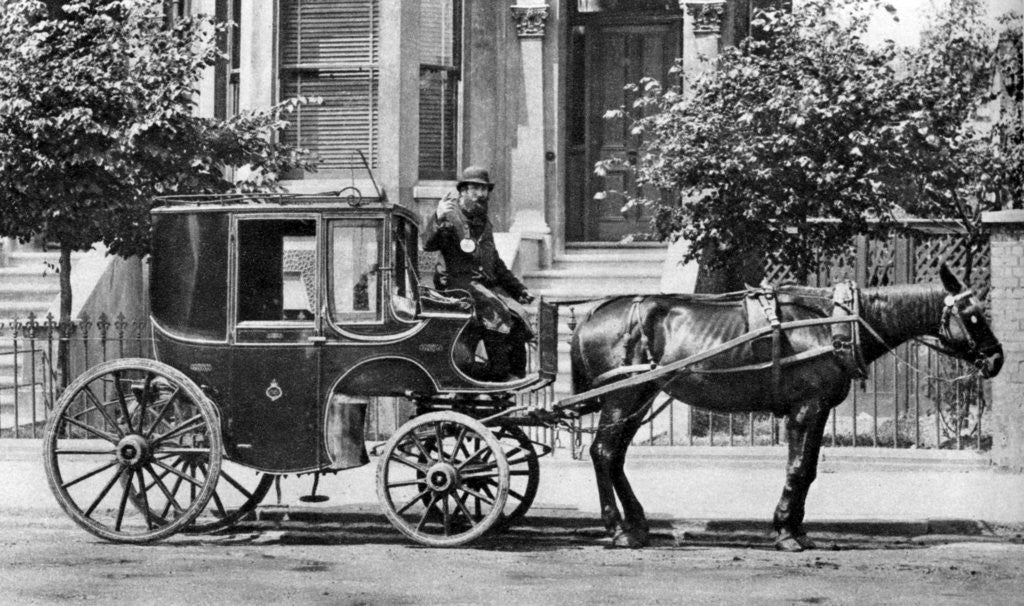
x=276, y=357
x=606, y=56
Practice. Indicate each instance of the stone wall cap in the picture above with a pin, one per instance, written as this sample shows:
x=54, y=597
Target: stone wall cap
x=1003, y=216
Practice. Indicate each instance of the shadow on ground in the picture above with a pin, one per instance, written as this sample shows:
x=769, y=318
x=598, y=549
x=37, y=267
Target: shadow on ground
x=559, y=529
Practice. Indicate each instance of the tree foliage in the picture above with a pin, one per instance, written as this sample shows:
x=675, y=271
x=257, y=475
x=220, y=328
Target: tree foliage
x=810, y=121
x=97, y=116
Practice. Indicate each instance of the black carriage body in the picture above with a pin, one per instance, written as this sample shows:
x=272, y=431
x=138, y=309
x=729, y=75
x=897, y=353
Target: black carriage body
x=287, y=312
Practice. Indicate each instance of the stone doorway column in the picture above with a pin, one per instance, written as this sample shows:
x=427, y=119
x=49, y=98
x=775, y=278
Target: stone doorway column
x=528, y=197
x=703, y=35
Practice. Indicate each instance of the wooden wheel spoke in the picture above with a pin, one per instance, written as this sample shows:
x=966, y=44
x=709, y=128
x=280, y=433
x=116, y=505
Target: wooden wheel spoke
x=102, y=408
x=90, y=474
x=124, y=501
x=103, y=493
x=426, y=512
x=480, y=475
x=515, y=494
x=109, y=437
x=403, y=483
x=482, y=451
x=414, y=500
x=144, y=495
x=171, y=500
x=181, y=474
x=219, y=506
x=233, y=482
x=465, y=511
x=79, y=451
x=193, y=423
x=413, y=464
x=163, y=413
x=119, y=389
x=460, y=444
x=447, y=517
x=439, y=436
x=479, y=496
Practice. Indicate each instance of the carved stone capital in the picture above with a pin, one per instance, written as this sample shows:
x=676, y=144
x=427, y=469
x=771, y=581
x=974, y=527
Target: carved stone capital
x=707, y=16
x=530, y=20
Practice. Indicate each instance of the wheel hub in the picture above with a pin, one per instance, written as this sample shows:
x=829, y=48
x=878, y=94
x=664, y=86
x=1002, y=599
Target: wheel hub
x=132, y=450
x=442, y=477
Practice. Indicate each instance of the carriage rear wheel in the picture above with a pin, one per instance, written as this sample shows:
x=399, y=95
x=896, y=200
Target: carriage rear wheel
x=239, y=489
x=524, y=471
x=443, y=479
x=116, y=426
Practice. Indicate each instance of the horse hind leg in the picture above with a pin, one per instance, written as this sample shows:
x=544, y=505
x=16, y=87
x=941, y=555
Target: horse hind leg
x=804, y=430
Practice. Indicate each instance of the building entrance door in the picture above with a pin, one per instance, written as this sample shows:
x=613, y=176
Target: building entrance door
x=605, y=57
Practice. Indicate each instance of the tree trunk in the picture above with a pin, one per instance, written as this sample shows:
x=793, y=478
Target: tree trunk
x=64, y=344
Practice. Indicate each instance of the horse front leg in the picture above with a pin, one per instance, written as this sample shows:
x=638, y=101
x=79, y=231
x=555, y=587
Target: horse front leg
x=805, y=427
x=602, y=454
x=621, y=417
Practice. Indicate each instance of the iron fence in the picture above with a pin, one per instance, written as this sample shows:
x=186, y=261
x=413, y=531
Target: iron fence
x=913, y=398
x=31, y=374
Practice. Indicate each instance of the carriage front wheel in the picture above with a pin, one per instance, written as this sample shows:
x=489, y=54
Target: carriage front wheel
x=111, y=443
x=443, y=479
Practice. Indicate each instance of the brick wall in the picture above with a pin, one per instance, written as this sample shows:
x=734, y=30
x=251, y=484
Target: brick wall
x=1007, y=302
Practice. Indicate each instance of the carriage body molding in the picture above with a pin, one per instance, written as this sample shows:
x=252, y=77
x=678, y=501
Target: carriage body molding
x=291, y=312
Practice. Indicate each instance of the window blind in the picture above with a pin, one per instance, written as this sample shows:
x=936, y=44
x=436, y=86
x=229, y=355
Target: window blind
x=440, y=42
x=330, y=49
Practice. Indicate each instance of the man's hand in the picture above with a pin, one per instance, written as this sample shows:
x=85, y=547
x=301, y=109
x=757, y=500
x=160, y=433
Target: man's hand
x=448, y=205
x=526, y=298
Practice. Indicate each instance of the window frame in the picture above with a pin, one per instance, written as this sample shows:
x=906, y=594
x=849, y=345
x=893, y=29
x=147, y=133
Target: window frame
x=290, y=325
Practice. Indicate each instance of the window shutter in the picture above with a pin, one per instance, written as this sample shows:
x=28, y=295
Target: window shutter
x=330, y=49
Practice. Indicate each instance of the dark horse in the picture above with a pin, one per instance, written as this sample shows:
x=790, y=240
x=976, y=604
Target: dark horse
x=661, y=329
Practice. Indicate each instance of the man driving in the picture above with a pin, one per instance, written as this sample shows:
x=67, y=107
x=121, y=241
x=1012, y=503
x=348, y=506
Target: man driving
x=461, y=231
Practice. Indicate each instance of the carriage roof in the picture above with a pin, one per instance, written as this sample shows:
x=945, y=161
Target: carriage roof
x=277, y=202
x=192, y=253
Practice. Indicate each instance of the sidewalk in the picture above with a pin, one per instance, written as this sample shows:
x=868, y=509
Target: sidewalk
x=726, y=485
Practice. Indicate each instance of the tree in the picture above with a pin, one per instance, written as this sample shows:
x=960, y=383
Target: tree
x=806, y=135
x=97, y=118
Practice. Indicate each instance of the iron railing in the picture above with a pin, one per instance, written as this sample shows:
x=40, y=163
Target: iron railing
x=914, y=398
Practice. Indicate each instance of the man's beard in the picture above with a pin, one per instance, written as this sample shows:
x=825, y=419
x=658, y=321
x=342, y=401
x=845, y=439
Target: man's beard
x=474, y=209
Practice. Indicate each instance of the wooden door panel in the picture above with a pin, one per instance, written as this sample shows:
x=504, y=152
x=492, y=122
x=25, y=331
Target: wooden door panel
x=618, y=55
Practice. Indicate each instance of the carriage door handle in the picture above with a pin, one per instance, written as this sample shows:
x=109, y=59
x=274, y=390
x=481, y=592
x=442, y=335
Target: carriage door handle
x=319, y=338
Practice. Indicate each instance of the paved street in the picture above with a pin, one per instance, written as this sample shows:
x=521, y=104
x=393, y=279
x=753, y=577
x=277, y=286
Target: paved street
x=902, y=528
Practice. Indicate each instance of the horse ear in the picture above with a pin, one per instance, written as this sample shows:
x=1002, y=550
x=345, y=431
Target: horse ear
x=951, y=282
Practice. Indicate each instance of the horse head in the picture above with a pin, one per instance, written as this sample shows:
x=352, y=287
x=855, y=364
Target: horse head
x=963, y=330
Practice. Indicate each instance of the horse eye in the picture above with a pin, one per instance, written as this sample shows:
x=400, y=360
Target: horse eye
x=974, y=319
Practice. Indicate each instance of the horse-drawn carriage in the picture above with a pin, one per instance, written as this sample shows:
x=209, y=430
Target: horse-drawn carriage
x=275, y=319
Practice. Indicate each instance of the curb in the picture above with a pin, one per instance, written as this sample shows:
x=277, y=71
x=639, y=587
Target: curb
x=555, y=519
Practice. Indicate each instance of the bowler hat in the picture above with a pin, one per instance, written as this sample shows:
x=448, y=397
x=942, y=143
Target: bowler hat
x=475, y=174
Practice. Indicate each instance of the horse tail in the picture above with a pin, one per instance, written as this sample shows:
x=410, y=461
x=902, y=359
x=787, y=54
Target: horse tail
x=580, y=380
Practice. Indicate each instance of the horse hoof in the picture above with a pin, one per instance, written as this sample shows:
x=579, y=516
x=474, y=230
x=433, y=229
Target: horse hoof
x=630, y=540
x=806, y=542
x=788, y=544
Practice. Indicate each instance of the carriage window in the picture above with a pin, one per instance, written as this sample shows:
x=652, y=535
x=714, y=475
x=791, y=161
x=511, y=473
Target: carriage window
x=276, y=270
x=404, y=284
x=355, y=271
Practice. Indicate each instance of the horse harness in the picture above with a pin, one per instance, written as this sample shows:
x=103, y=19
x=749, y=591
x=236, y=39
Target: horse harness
x=761, y=305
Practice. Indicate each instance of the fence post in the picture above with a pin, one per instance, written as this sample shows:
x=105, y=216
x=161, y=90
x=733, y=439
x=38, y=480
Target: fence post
x=1006, y=299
